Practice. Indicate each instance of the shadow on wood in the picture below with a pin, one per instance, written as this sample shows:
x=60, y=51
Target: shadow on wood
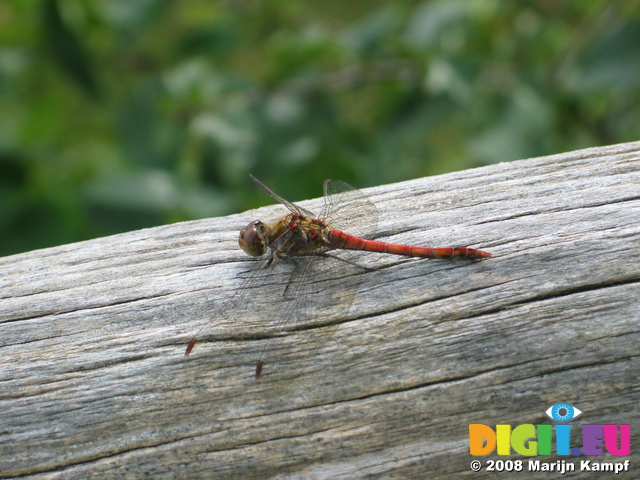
x=94, y=381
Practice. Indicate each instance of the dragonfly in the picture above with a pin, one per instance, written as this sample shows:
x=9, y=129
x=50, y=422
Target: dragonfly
x=301, y=236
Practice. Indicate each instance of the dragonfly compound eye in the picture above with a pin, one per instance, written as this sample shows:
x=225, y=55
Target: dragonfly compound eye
x=252, y=238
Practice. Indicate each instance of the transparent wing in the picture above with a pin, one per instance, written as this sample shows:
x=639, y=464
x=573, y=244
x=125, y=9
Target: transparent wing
x=291, y=206
x=348, y=209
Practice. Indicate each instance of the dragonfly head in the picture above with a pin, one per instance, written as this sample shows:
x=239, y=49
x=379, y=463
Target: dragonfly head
x=253, y=238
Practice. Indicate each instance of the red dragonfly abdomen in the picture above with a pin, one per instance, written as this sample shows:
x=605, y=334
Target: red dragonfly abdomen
x=343, y=240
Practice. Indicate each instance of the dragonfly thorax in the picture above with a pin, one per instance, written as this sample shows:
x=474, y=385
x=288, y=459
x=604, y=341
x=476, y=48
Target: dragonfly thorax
x=253, y=238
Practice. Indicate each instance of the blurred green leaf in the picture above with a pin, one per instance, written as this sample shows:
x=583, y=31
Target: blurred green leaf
x=195, y=95
x=613, y=62
x=66, y=48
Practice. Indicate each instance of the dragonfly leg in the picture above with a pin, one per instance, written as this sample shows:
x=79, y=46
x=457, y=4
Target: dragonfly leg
x=292, y=274
x=269, y=261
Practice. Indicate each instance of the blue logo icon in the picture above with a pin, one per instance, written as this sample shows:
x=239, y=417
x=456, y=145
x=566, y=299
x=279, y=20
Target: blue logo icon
x=563, y=412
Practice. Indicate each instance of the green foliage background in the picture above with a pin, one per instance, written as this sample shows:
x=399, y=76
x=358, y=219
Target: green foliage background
x=120, y=114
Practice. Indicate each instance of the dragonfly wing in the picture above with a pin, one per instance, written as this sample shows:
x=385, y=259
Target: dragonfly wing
x=348, y=209
x=291, y=206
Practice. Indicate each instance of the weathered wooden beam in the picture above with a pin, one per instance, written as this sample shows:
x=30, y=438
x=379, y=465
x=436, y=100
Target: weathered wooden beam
x=94, y=381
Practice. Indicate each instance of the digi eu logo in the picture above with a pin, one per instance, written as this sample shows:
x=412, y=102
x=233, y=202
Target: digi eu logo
x=532, y=440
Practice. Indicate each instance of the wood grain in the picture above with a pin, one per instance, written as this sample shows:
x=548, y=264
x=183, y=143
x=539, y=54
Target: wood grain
x=94, y=381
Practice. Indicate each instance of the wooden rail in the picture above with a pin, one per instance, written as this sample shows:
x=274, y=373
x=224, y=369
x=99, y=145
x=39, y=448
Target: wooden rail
x=94, y=381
